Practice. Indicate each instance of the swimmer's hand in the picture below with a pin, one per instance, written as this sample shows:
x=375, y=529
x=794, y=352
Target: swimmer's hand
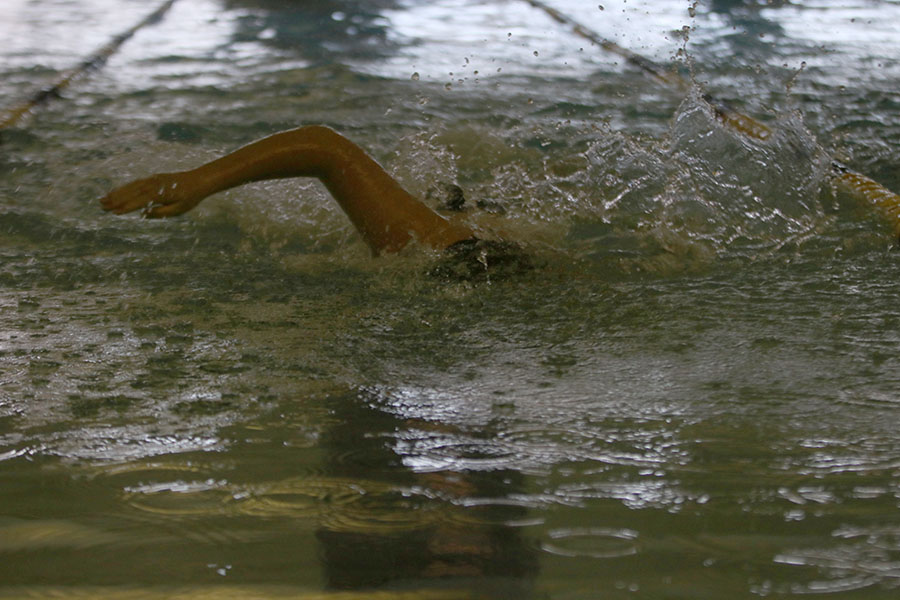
x=158, y=196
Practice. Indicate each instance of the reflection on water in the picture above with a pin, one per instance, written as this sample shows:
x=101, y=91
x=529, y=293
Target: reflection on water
x=321, y=31
x=693, y=396
x=433, y=530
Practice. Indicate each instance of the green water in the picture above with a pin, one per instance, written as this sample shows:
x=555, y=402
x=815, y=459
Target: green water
x=694, y=394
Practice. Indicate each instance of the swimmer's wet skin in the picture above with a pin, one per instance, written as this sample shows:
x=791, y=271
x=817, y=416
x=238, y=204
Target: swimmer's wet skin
x=386, y=216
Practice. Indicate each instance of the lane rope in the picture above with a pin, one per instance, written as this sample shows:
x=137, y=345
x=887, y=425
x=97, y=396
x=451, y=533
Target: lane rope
x=92, y=62
x=857, y=184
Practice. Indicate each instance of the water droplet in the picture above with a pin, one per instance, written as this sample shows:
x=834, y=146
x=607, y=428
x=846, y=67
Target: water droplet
x=535, y=52
x=415, y=76
x=448, y=87
x=600, y=6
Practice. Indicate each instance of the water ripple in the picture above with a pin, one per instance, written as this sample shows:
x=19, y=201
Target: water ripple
x=596, y=542
x=869, y=557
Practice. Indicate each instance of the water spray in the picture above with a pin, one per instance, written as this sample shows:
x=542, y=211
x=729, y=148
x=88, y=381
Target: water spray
x=861, y=186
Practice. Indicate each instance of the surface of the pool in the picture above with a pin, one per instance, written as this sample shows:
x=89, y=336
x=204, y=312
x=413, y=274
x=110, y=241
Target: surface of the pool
x=695, y=395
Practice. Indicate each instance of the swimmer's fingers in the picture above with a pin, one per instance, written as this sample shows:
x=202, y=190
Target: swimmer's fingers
x=162, y=210
x=135, y=195
x=157, y=196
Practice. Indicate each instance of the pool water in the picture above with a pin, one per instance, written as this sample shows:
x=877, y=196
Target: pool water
x=693, y=395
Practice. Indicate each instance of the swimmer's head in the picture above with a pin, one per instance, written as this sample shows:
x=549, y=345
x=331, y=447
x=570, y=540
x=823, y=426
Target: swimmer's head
x=475, y=260
x=447, y=197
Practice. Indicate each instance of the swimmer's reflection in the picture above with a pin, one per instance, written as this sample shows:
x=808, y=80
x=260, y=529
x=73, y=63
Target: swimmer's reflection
x=459, y=543
x=731, y=5
x=319, y=30
x=753, y=29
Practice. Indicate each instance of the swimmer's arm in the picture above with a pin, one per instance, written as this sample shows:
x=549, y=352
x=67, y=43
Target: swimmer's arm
x=383, y=212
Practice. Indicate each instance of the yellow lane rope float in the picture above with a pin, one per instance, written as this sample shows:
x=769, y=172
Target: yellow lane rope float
x=94, y=61
x=858, y=185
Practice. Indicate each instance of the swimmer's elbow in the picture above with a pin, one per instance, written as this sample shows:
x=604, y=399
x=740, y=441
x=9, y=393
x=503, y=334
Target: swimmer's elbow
x=319, y=135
